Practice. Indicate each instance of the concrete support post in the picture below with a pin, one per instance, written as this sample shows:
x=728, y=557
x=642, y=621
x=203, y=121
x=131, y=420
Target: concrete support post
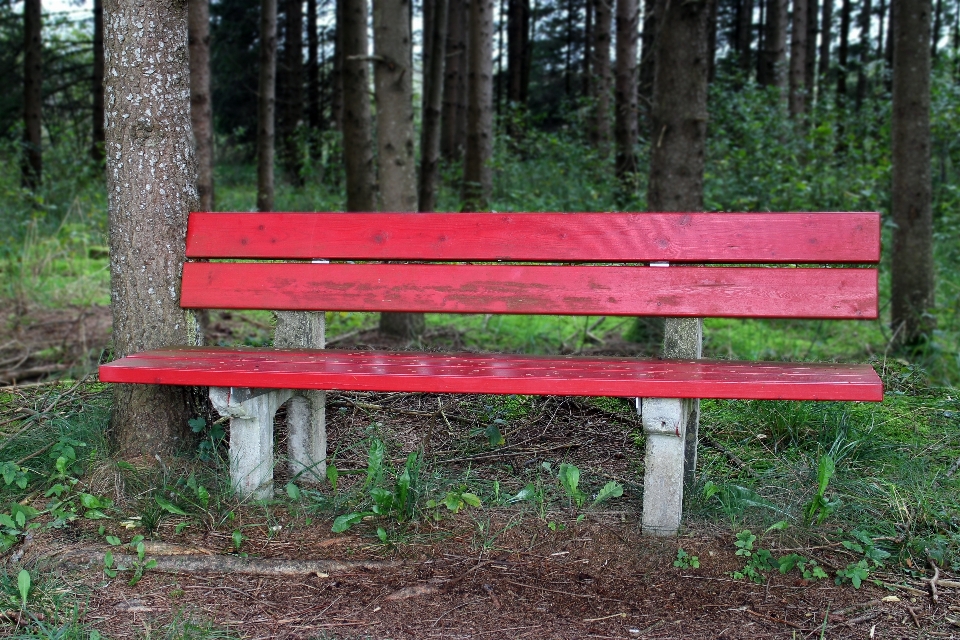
x=683, y=339
x=664, y=424
x=251, y=413
x=306, y=419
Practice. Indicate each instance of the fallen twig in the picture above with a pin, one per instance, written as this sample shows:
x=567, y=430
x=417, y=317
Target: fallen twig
x=772, y=619
x=864, y=618
x=913, y=614
x=933, y=580
x=904, y=587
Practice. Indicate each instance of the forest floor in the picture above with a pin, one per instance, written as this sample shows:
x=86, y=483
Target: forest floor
x=509, y=569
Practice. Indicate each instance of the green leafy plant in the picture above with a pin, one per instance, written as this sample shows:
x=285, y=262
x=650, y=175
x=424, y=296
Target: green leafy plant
x=140, y=562
x=569, y=476
x=23, y=586
x=820, y=507
x=758, y=560
x=456, y=501
x=873, y=558
x=398, y=500
x=210, y=437
x=686, y=561
x=734, y=499
x=809, y=569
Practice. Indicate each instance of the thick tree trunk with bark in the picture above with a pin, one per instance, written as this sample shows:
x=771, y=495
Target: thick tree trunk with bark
x=357, y=136
x=628, y=17
x=678, y=136
x=313, y=68
x=477, y=173
x=600, y=125
x=774, y=45
x=201, y=107
x=96, y=146
x=454, y=127
x=266, y=104
x=799, y=90
x=393, y=80
x=150, y=184
x=291, y=96
x=32, y=161
x=912, y=292
x=432, y=105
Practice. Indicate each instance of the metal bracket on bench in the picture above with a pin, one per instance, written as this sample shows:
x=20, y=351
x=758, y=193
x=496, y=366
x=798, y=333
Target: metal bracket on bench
x=664, y=424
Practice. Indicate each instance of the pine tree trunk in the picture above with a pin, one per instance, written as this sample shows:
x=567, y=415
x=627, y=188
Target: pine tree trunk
x=937, y=26
x=518, y=41
x=336, y=80
x=648, y=60
x=628, y=17
x=32, y=162
x=357, y=136
x=201, y=110
x=477, y=174
x=586, y=90
x=826, y=35
x=762, y=42
x=810, y=71
x=798, y=60
x=843, y=54
x=313, y=68
x=453, y=128
x=266, y=104
x=148, y=210
x=600, y=126
x=863, y=58
x=432, y=105
x=775, y=45
x=96, y=146
x=744, y=36
x=677, y=157
x=291, y=95
x=712, y=27
x=912, y=290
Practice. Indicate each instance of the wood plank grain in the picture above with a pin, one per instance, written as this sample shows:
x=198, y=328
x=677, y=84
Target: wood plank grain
x=495, y=373
x=541, y=237
x=535, y=289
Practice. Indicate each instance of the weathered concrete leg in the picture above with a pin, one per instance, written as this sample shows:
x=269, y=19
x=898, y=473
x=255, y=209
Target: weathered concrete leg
x=664, y=424
x=306, y=420
x=683, y=338
x=251, y=413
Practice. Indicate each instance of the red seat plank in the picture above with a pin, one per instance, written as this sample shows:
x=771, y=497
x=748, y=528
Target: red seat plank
x=534, y=289
x=503, y=374
x=541, y=237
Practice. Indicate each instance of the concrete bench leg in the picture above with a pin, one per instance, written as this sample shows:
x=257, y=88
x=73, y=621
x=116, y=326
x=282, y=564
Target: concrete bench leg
x=307, y=437
x=251, y=413
x=664, y=424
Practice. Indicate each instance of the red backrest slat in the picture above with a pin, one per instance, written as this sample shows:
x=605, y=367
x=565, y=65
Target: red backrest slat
x=540, y=237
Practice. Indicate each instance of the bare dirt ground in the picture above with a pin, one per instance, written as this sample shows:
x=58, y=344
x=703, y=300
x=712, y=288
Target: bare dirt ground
x=489, y=572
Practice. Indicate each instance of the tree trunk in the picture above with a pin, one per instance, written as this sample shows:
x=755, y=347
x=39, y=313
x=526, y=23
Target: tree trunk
x=291, y=98
x=712, y=28
x=266, y=104
x=937, y=25
x=881, y=18
x=586, y=89
x=648, y=61
x=798, y=60
x=357, y=137
x=453, y=132
x=600, y=129
x=201, y=111
x=912, y=290
x=810, y=71
x=775, y=45
x=336, y=81
x=148, y=210
x=744, y=36
x=677, y=156
x=477, y=174
x=393, y=81
x=432, y=104
x=826, y=34
x=313, y=68
x=518, y=41
x=863, y=59
x=96, y=146
x=843, y=55
x=628, y=16
x=762, y=42
x=32, y=162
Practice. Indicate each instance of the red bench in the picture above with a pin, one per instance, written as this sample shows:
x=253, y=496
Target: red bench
x=750, y=265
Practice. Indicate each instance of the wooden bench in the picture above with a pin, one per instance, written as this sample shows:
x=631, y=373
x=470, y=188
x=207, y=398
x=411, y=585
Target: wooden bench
x=737, y=265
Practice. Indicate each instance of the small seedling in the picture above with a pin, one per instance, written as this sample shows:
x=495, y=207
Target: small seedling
x=23, y=585
x=820, y=508
x=686, y=561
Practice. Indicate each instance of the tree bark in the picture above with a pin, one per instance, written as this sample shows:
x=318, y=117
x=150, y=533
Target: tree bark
x=96, y=145
x=712, y=27
x=744, y=36
x=648, y=60
x=863, y=59
x=201, y=110
x=432, y=104
x=313, y=68
x=336, y=80
x=518, y=41
x=912, y=291
x=937, y=26
x=32, y=162
x=266, y=104
x=826, y=34
x=775, y=45
x=151, y=173
x=454, y=127
x=798, y=60
x=628, y=16
x=810, y=71
x=291, y=96
x=477, y=173
x=677, y=155
x=843, y=54
x=357, y=136
x=600, y=129
x=587, y=89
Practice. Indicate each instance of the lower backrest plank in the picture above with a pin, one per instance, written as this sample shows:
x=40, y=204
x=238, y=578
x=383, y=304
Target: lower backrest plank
x=535, y=289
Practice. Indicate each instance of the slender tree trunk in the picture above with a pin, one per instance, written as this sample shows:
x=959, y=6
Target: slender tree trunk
x=587, y=89
x=843, y=52
x=648, y=59
x=600, y=130
x=432, y=105
x=148, y=210
x=477, y=173
x=32, y=162
x=291, y=111
x=762, y=43
x=937, y=26
x=712, y=28
x=810, y=71
x=357, y=136
x=677, y=156
x=201, y=110
x=866, y=12
x=912, y=291
x=266, y=104
x=96, y=146
x=568, y=71
x=501, y=77
x=453, y=132
x=518, y=37
x=628, y=17
x=744, y=36
x=881, y=19
x=888, y=53
x=313, y=68
x=798, y=60
x=826, y=35
x=337, y=85
x=775, y=45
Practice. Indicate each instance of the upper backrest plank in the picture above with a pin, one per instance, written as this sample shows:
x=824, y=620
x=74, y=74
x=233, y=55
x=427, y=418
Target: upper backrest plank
x=540, y=237
x=534, y=289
